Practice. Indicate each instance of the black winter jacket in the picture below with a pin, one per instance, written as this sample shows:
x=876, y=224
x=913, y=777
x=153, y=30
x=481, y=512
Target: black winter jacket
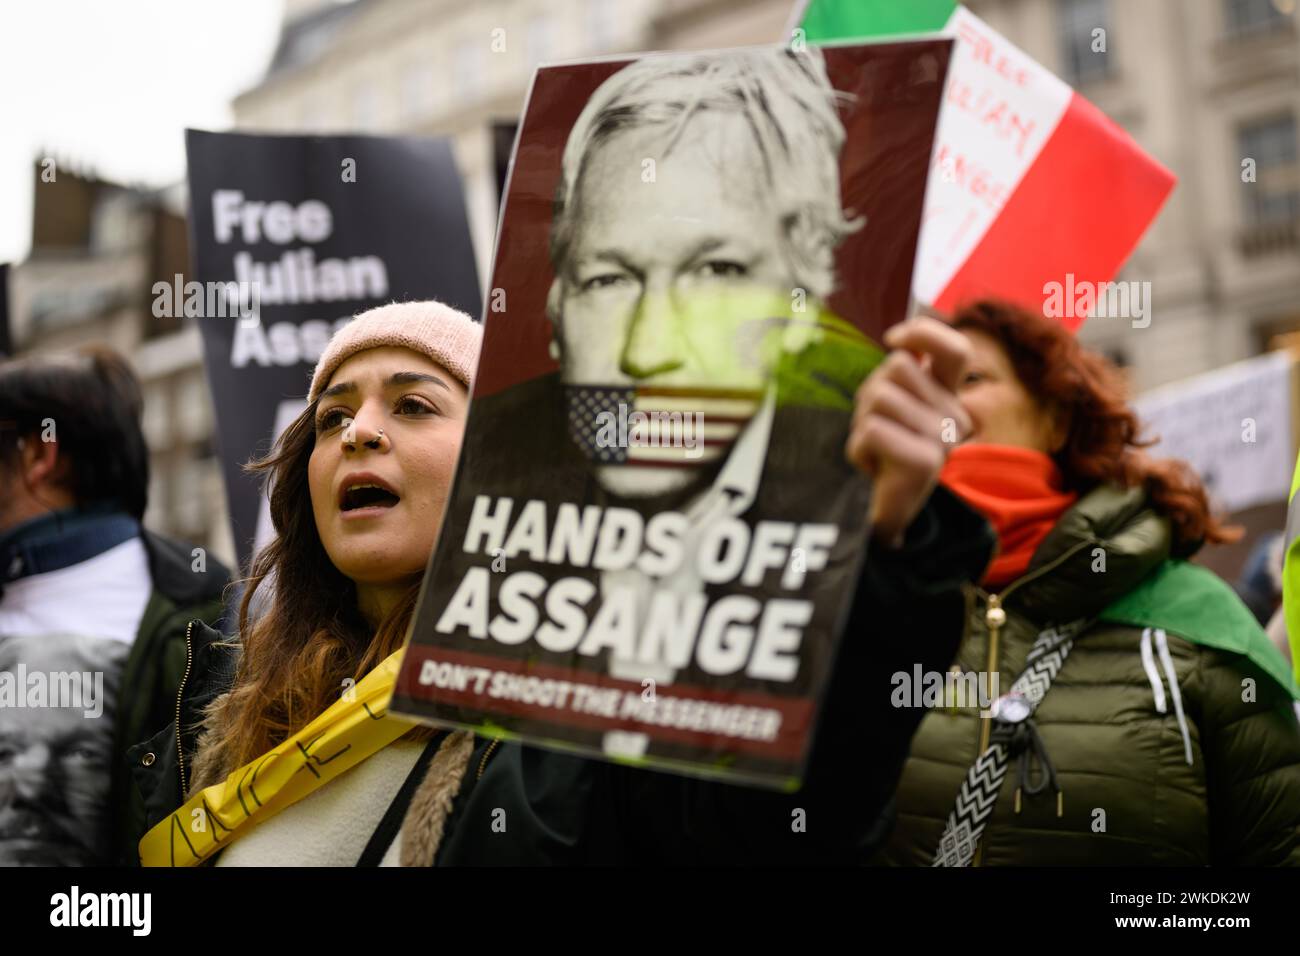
x=185, y=589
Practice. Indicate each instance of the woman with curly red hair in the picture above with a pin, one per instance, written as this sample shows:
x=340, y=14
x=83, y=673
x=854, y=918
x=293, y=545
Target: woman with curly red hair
x=1127, y=709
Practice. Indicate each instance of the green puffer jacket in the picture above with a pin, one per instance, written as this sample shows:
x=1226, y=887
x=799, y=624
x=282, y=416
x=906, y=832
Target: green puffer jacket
x=1110, y=723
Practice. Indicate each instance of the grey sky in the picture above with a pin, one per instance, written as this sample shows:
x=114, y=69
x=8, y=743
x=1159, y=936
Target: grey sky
x=111, y=84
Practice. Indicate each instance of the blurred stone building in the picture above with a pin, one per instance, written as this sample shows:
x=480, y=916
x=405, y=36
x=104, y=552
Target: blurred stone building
x=1205, y=86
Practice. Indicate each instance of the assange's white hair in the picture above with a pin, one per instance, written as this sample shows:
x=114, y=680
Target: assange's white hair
x=791, y=109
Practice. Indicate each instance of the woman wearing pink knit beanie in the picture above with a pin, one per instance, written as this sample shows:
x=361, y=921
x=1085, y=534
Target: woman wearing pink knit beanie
x=358, y=484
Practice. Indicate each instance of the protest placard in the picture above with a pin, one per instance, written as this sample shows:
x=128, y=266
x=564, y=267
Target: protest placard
x=295, y=235
x=1232, y=425
x=654, y=536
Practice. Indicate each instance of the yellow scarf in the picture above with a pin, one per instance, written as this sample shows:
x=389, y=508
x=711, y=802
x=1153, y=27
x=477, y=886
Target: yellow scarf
x=346, y=733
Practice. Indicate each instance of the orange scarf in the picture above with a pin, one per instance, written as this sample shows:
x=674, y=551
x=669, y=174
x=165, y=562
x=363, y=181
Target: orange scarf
x=1020, y=492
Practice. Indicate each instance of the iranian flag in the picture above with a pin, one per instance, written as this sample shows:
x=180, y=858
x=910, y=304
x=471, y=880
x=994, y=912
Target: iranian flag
x=1030, y=184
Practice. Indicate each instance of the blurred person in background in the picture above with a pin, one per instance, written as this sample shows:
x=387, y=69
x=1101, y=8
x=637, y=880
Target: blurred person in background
x=1153, y=723
x=76, y=564
x=1260, y=583
x=1260, y=586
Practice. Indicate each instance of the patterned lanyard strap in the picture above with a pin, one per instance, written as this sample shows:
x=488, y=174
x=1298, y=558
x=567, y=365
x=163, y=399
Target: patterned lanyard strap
x=1013, y=732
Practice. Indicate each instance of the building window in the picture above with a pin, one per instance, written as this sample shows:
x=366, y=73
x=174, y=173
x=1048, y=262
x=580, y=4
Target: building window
x=192, y=408
x=1255, y=16
x=602, y=25
x=539, y=41
x=470, y=67
x=315, y=116
x=1085, y=40
x=418, y=84
x=365, y=108
x=1274, y=196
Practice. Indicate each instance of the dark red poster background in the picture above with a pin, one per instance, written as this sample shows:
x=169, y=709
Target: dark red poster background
x=889, y=127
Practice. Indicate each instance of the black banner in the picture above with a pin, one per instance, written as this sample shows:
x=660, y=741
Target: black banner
x=311, y=230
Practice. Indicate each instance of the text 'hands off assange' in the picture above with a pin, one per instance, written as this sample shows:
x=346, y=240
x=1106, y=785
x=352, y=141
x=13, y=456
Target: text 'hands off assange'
x=738, y=632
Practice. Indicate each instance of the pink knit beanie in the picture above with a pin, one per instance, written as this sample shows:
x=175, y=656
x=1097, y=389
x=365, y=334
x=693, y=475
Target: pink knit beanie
x=448, y=336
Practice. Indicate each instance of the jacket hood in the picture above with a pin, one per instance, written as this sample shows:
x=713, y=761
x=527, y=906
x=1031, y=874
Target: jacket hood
x=1099, y=550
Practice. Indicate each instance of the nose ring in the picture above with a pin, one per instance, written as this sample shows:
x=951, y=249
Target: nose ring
x=350, y=436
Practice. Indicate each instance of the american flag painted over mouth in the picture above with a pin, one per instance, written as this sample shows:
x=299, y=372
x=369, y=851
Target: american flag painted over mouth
x=657, y=427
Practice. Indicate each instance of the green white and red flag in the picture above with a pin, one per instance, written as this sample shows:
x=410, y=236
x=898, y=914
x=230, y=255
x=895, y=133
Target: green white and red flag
x=1029, y=182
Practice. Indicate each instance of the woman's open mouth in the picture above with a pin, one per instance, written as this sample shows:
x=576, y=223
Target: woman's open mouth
x=366, y=495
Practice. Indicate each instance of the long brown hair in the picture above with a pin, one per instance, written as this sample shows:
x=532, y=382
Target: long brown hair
x=308, y=636
x=1103, y=443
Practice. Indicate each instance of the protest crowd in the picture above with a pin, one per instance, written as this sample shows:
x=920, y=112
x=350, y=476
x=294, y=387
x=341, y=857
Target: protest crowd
x=924, y=592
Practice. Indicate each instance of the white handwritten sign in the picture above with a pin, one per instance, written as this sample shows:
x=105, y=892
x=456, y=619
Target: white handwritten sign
x=999, y=110
x=1233, y=425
